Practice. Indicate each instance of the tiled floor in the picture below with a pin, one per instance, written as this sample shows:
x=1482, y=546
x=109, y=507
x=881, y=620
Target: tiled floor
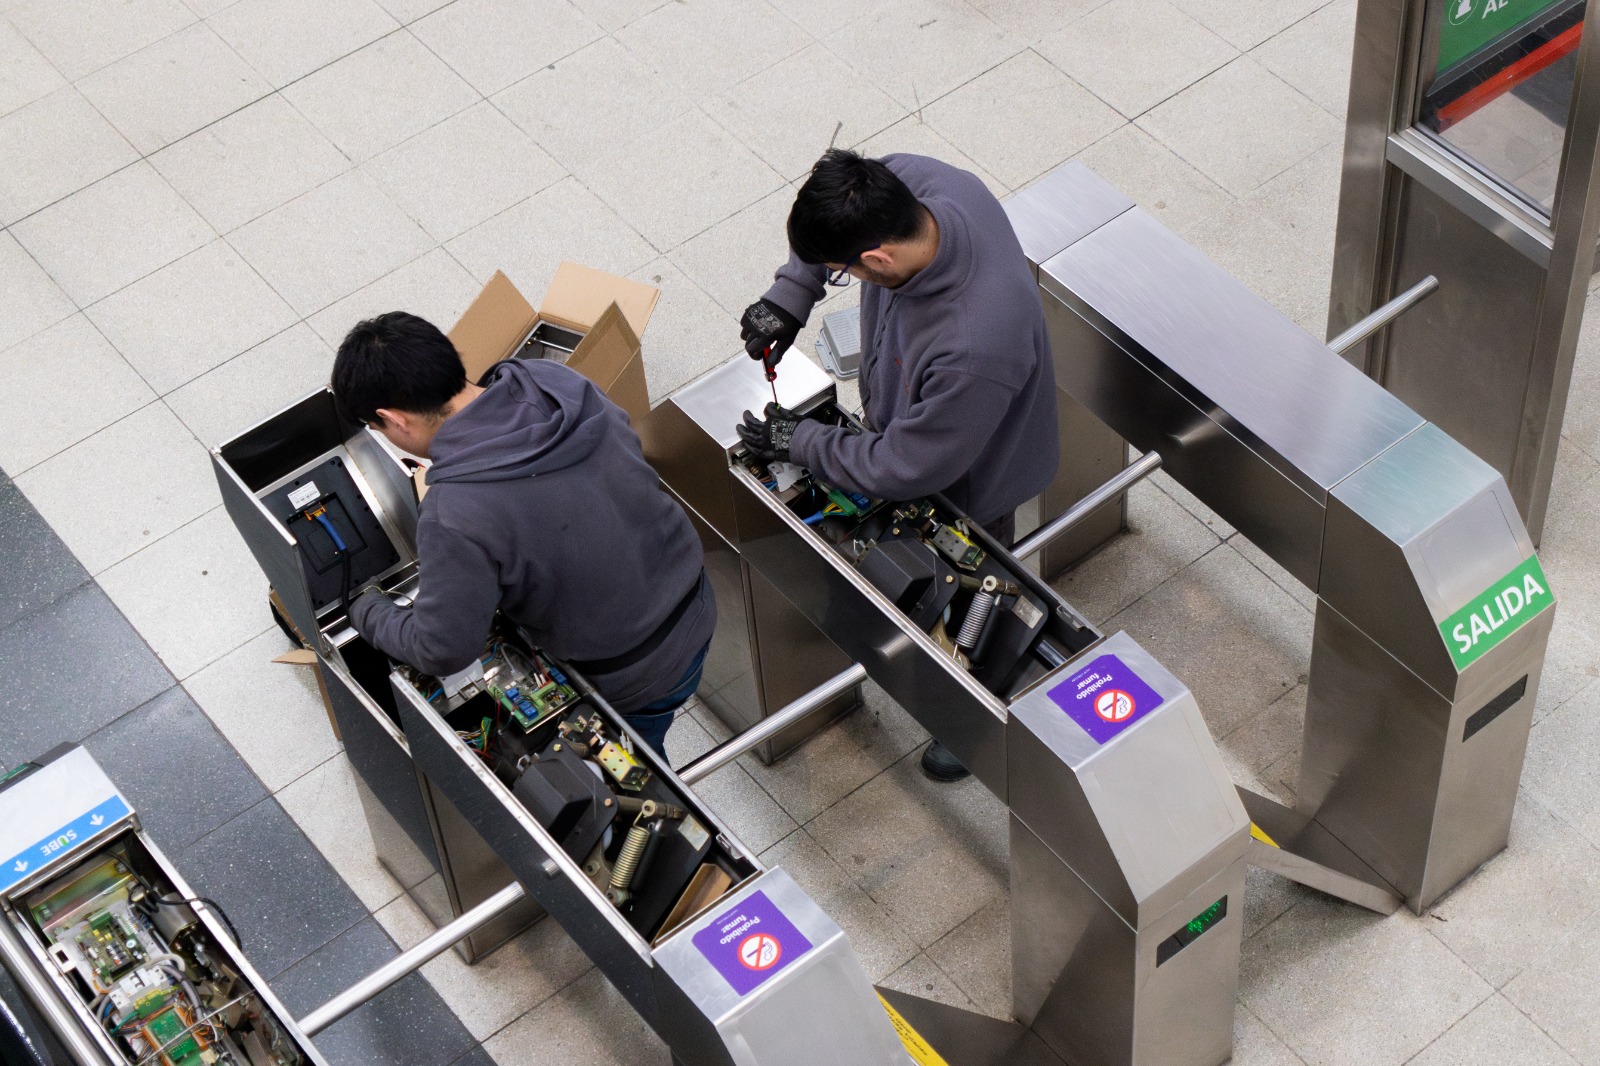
x=200, y=196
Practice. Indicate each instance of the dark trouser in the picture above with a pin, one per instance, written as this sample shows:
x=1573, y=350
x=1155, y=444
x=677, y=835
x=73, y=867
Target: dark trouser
x=653, y=721
x=1003, y=529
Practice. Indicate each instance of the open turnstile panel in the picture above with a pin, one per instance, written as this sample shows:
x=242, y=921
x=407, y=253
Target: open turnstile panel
x=515, y=769
x=1127, y=838
x=108, y=942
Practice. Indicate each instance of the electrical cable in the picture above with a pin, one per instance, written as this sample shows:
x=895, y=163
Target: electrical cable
x=320, y=516
x=211, y=903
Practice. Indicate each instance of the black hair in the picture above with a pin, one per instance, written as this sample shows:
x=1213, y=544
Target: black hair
x=849, y=205
x=399, y=361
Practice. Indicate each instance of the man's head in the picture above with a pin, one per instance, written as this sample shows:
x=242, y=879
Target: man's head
x=854, y=213
x=398, y=374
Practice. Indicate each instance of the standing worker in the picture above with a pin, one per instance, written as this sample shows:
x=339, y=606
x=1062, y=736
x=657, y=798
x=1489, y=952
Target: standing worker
x=957, y=384
x=540, y=504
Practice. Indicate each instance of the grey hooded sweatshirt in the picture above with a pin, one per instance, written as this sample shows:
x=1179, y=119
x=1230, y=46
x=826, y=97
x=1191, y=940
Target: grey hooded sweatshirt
x=957, y=383
x=540, y=503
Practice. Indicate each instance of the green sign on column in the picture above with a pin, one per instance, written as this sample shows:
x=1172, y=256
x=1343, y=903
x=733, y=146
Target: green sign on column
x=1496, y=613
x=1471, y=24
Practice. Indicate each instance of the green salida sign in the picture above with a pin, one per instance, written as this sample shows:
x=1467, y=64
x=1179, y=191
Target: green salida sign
x=1471, y=24
x=1496, y=613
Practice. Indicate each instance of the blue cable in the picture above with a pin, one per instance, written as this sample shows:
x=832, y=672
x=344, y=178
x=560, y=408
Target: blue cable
x=338, y=541
x=814, y=519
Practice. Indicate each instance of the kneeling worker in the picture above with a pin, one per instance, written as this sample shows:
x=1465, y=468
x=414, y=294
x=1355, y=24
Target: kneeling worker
x=540, y=504
x=957, y=383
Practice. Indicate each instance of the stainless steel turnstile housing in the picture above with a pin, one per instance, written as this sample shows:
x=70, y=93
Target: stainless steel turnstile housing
x=1413, y=741
x=764, y=653
x=418, y=836
x=1116, y=845
x=73, y=820
x=692, y=985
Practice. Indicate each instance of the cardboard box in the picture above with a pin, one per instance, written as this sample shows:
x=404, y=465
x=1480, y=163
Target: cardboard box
x=605, y=314
x=589, y=319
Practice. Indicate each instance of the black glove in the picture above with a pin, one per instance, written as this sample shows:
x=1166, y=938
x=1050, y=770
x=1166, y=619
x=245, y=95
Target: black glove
x=766, y=326
x=769, y=438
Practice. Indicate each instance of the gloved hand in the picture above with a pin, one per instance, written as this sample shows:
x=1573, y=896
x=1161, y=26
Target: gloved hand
x=769, y=438
x=765, y=326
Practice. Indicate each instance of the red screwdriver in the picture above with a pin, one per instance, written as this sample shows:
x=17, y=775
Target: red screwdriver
x=771, y=366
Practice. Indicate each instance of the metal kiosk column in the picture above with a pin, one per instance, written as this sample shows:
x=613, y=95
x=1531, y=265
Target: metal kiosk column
x=1471, y=154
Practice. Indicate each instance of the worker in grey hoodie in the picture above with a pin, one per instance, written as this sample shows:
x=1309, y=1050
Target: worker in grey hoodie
x=540, y=504
x=957, y=384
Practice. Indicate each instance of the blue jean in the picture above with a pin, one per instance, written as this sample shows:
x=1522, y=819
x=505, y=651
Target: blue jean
x=653, y=721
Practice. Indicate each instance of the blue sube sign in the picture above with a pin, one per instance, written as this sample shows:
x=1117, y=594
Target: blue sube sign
x=75, y=833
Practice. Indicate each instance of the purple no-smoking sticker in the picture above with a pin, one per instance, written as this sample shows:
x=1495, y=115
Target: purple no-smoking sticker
x=1105, y=697
x=751, y=942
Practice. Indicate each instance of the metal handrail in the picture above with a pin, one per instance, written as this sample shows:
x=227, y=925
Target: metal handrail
x=1128, y=477
x=735, y=746
x=411, y=959
x=1384, y=315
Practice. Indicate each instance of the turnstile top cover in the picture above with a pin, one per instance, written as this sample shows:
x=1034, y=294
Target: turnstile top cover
x=717, y=399
x=1112, y=766
x=1064, y=206
x=777, y=978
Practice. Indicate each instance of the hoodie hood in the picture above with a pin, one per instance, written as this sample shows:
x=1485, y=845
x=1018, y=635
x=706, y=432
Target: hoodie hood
x=533, y=417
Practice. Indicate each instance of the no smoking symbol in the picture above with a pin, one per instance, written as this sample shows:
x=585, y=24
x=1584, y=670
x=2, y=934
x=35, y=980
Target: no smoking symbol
x=1113, y=705
x=759, y=951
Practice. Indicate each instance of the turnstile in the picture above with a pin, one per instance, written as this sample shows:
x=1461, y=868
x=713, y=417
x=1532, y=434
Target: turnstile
x=110, y=954
x=1432, y=612
x=764, y=654
x=271, y=475
x=740, y=976
x=1128, y=840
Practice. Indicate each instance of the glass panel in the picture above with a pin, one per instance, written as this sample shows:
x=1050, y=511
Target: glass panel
x=1502, y=85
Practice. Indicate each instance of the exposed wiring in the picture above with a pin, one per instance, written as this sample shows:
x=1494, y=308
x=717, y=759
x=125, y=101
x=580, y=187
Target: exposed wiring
x=222, y=915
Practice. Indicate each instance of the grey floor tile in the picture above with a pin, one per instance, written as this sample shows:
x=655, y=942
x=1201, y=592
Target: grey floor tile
x=1340, y=985
x=931, y=854
x=1487, y=920
x=69, y=668
x=977, y=956
x=407, y=1023
x=81, y=36
x=35, y=567
x=797, y=107
x=1256, y=1045
x=283, y=897
x=495, y=43
x=1268, y=897
x=1494, y=1034
x=922, y=977
x=497, y=990
x=1558, y=991
x=840, y=759
x=476, y=1057
x=588, y=1022
x=175, y=768
x=1064, y=117
x=1162, y=538
x=1561, y=771
x=1235, y=638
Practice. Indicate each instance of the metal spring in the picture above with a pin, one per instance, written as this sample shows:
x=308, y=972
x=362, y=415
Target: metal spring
x=972, y=626
x=628, y=858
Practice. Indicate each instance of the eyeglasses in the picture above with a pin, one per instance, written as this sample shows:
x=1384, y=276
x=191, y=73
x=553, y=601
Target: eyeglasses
x=841, y=277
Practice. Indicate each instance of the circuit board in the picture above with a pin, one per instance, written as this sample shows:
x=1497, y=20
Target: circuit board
x=148, y=974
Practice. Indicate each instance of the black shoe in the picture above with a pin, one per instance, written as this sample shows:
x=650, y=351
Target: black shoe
x=939, y=764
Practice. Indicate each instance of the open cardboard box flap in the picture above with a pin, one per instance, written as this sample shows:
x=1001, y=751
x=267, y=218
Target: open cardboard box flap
x=578, y=299
x=610, y=312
